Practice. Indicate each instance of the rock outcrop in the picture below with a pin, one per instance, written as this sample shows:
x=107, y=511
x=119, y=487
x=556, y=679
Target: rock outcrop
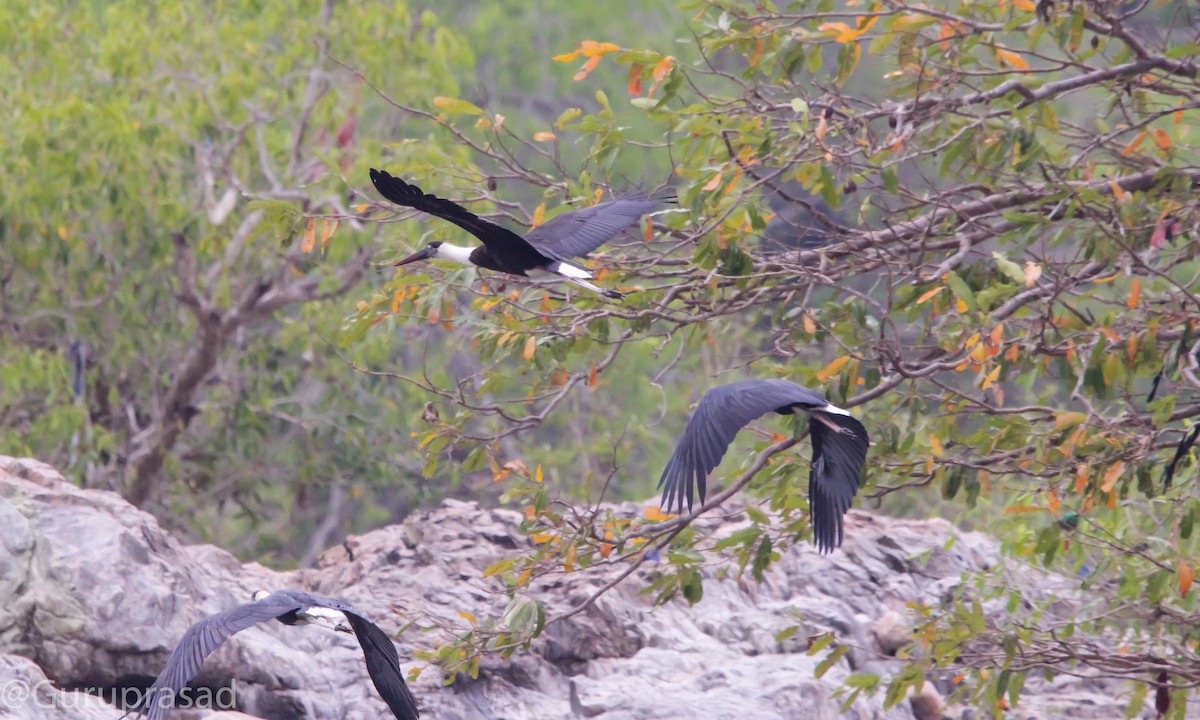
x=95, y=595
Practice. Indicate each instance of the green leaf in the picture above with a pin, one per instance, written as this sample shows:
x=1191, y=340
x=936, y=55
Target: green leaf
x=456, y=106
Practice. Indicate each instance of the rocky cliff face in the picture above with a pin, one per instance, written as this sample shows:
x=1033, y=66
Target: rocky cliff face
x=94, y=594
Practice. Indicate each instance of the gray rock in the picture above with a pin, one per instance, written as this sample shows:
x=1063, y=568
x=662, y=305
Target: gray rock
x=97, y=595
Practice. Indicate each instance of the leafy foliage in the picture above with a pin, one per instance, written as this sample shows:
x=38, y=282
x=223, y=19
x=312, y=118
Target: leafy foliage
x=970, y=223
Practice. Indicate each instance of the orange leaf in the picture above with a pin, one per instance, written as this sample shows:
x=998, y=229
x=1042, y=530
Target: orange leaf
x=713, y=184
x=936, y=444
x=635, y=78
x=310, y=235
x=1025, y=5
x=1162, y=140
x=1011, y=59
x=648, y=233
x=1081, y=477
x=545, y=136
x=566, y=57
x=832, y=368
x=588, y=66
x=810, y=325
x=1053, y=501
x=925, y=296
x=1017, y=509
x=530, y=348
x=1132, y=147
x=328, y=228
x=593, y=376
x=1135, y=294
x=1187, y=574
x=1112, y=475
x=654, y=514
x=606, y=549
x=663, y=68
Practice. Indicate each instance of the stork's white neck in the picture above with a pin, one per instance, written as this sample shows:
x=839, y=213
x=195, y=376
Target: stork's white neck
x=454, y=253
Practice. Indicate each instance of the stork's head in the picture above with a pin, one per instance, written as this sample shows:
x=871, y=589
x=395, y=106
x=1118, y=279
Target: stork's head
x=429, y=251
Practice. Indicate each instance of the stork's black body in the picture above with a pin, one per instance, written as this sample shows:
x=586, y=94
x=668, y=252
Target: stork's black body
x=288, y=607
x=839, y=449
x=544, y=249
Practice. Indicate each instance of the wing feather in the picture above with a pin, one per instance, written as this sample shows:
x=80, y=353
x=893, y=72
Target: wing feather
x=722, y=412
x=498, y=239
x=200, y=640
x=837, y=463
x=579, y=232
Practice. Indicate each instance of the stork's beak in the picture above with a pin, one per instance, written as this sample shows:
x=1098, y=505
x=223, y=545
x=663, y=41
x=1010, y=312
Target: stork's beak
x=422, y=254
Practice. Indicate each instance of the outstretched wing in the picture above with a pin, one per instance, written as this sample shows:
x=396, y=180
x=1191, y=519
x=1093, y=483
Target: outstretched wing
x=504, y=242
x=722, y=412
x=198, y=643
x=577, y=233
x=840, y=445
x=383, y=665
x=383, y=662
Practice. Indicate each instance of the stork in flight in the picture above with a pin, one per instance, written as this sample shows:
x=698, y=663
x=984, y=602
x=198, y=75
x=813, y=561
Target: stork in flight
x=543, y=251
x=839, y=449
x=290, y=607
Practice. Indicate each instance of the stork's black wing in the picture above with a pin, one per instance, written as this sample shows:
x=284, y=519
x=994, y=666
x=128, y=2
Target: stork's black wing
x=578, y=232
x=722, y=412
x=839, y=452
x=839, y=448
x=502, y=242
x=198, y=643
x=383, y=665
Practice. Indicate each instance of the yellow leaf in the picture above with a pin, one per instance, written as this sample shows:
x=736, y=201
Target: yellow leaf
x=328, y=228
x=822, y=128
x=654, y=514
x=1132, y=147
x=832, y=368
x=530, y=348
x=537, y=475
x=1118, y=192
x=397, y=299
x=523, y=578
x=468, y=617
x=1135, y=294
x=925, y=296
x=1187, y=574
x=843, y=33
x=960, y=305
x=456, y=106
x=566, y=57
x=591, y=48
x=1112, y=475
x=1162, y=140
x=62, y=232
x=545, y=136
x=539, y=215
x=1033, y=271
x=1069, y=419
x=569, y=559
x=310, y=235
x=542, y=537
x=810, y=325
x=990, y=379
x=936, y=445
x=1011, y=59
